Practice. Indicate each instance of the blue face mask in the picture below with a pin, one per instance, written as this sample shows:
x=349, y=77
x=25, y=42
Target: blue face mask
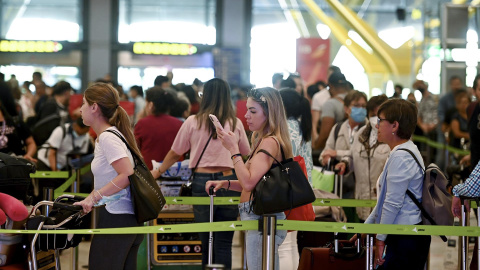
x=359, y=114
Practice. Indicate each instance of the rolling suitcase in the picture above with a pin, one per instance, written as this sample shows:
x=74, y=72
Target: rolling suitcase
x=211, y=264
x=464, y=239
x=341, y=254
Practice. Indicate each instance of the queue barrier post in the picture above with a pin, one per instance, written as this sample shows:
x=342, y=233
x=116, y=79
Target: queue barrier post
x=268, y=250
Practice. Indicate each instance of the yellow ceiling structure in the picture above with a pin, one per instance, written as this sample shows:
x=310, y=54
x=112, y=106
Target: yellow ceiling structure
x=384, y=59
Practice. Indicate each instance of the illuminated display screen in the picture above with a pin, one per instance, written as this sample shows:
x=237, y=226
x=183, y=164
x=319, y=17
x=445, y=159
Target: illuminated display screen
x=164, y=48
x=30, y=46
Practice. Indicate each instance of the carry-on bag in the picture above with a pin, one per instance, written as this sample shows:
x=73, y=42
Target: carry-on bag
x=15, y=175
x=464, y=239
x=211, y=264
x=341, y=254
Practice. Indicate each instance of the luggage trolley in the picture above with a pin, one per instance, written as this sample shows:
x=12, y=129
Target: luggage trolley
x=64, y=215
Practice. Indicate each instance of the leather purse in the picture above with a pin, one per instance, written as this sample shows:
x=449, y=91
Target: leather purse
x=186, y=189
x=282, y=188
x=147, y=198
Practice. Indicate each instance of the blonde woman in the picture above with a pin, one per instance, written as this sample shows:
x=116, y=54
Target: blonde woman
x=111, y=166
x=266, y=118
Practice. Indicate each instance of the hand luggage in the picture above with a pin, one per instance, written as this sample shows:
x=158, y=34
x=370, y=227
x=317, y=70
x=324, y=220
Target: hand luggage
x=341, y=254
x=15, y=175
x=464, y=239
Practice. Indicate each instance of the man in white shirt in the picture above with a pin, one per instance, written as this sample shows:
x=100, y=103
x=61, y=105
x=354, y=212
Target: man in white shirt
x=317, y=103
x=71, y=138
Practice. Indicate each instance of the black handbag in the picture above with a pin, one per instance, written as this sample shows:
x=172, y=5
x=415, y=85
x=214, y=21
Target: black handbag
x=147, y=197
x=282, y=188
x=186, y=189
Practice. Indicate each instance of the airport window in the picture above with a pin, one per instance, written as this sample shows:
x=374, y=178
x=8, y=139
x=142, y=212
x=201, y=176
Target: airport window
x=58, y=20
x=175, y=21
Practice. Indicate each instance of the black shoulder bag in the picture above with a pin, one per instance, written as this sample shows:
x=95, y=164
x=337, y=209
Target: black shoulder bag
x=282, y=188
x=186, y=189
x=147, y=197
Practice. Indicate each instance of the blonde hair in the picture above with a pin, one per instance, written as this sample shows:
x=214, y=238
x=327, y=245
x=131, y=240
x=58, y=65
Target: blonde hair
x=276, y=124
x=108, y=100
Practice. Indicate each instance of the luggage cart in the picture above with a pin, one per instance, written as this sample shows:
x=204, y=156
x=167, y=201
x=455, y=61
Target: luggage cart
x=64, y=215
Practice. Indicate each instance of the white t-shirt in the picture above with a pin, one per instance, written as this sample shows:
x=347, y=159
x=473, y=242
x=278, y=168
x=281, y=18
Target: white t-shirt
x=319, y=99
x=63, y=145
x=110, y=148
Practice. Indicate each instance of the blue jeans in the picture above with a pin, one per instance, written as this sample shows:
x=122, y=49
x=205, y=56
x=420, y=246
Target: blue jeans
x=222, y=241
x=254, y=238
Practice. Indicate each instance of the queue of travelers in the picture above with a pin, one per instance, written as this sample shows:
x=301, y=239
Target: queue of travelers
x=361, y=136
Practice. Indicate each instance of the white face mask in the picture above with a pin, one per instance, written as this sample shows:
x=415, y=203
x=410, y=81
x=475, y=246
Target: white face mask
x=373, y=121
x=342, y=96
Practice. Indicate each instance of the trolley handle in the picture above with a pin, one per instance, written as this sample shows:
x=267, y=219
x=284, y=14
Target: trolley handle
x=210, y=191
x=68, y=207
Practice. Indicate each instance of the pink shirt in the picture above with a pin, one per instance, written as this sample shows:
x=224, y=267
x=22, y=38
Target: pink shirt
x=189, y=137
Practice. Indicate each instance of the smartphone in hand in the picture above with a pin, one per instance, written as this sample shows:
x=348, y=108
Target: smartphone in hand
x=383, y=255
x=215, y=121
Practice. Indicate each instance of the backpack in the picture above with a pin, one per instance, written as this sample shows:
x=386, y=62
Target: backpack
x=436, y=200
x=42, y=130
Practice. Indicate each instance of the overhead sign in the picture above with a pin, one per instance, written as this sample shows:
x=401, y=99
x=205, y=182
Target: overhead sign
x=30, y=46
x=161, y=48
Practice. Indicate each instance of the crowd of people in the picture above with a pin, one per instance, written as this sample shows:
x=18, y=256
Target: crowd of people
x=325, y=123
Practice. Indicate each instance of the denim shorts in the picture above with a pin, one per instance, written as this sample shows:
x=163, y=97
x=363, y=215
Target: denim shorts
x=254, y=238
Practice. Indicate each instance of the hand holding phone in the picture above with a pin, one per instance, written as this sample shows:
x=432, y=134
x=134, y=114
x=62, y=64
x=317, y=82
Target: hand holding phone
x=383, y=255
x=215, y=121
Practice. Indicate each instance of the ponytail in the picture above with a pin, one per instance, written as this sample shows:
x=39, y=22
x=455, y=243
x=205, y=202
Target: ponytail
x=121, y=120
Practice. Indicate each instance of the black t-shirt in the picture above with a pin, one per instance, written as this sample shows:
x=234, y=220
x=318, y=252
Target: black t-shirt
x=474, y=130
x=17, y=133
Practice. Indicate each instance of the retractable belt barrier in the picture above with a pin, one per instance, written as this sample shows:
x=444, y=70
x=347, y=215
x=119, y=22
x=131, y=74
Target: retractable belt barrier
x=281, y=225
x=437, y=145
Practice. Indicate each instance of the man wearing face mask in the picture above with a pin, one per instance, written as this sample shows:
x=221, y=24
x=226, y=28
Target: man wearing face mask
x=332, y=110
x=367, y=158
x=64, y=140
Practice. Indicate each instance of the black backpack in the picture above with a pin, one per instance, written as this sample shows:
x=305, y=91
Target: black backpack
x=42, y=130
x=15, y=175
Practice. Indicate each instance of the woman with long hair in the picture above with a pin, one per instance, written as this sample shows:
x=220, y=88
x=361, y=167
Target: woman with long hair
x=299, y=120
x=111, y=166
x=198, y=135
x=266, y=118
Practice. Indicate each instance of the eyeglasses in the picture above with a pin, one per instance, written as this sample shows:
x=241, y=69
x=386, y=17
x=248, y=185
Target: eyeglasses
x=380, y=120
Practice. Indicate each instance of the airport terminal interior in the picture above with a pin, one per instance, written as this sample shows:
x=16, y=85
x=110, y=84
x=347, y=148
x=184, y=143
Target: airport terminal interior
x=337, y=66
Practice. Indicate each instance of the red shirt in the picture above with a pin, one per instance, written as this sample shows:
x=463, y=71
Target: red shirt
x=155, y=136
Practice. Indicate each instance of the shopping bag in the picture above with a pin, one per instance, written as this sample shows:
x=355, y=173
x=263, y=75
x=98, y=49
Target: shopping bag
x=304, y=212
x=323, y=179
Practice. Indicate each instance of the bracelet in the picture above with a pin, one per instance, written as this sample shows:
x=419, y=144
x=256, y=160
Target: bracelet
x=228, y=188
x=238, y=160
x=101, y=196
x=236, y=155
x=115, y=185
x=93, y=201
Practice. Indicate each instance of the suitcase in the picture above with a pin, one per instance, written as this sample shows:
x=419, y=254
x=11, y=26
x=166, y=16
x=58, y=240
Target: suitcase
x=464, y=239
x=15, y=175
x=10, y=248
x=342, y=254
